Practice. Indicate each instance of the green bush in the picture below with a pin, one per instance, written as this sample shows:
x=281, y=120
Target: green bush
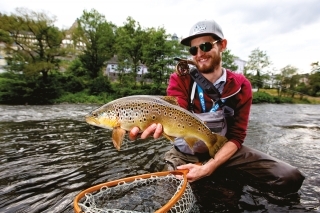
x=84, y=97
x=262, y=97
x=281, y=100
x=99, y=85
x=158, y=90
x=41, y=92
x=29, y=91
x=13, y=91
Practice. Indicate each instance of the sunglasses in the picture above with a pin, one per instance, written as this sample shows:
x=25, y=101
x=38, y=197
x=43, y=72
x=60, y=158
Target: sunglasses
x=205, y=47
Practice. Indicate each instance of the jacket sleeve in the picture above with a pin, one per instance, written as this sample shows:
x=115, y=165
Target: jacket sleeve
x=179, y=87
x=238, y=124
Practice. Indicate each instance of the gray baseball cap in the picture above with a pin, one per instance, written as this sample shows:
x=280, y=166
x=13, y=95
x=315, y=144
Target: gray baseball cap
x=201, y=28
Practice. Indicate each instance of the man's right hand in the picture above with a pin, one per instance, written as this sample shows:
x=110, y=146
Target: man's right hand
x=155, y=129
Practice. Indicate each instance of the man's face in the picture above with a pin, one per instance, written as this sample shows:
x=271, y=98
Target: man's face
x=206, y=62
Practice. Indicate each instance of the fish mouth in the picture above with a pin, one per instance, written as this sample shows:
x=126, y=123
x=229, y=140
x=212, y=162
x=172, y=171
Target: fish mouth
x=96, y=122
x=91, y=120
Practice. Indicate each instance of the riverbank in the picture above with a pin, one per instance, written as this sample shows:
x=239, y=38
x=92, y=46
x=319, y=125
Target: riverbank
x=289, y=98
x=262, y=96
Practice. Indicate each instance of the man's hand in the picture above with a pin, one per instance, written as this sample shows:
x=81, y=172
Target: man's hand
x=199, y=171
x=155, y=129
x=196, y=172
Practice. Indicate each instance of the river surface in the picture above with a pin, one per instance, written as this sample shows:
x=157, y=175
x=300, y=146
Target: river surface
x=48, y=154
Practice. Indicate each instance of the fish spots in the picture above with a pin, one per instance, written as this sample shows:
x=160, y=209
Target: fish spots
x=143, y=110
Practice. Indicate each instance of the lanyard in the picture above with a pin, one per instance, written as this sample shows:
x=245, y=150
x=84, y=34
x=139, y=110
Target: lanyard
x=202, y=101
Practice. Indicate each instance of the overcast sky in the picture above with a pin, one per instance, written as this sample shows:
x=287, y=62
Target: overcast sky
x=287, y=30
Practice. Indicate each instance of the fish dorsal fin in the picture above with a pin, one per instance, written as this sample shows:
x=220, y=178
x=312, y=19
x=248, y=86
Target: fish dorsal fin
x=170, y=99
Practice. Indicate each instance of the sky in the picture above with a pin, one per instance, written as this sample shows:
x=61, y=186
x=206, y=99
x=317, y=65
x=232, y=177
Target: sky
x=288, y=31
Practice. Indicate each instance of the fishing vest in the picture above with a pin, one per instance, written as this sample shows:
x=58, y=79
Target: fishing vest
x=215, y=120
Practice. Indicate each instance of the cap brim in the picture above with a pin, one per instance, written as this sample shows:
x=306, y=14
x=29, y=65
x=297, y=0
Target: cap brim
x=186, y=41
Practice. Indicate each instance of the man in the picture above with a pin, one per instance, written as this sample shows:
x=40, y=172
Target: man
x=207, y=42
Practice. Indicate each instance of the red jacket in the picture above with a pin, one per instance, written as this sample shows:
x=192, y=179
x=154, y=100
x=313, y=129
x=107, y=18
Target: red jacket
x=238, y=92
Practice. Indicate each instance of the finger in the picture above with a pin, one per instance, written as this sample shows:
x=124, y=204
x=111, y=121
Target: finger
x=148, y=131
x=134, y=133
x=191, y=180
x=185, y=166
x=158, y=131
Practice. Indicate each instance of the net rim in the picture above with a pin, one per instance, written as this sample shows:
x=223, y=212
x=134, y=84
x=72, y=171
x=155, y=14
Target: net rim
x=164, y=208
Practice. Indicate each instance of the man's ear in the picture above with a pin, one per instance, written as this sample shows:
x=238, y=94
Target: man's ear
x=223, y=44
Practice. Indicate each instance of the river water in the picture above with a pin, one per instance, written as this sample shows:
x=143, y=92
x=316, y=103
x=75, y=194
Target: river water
x=48, y=154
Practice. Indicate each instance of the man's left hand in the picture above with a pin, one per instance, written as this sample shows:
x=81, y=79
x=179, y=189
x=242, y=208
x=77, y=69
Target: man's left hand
x=196, y=172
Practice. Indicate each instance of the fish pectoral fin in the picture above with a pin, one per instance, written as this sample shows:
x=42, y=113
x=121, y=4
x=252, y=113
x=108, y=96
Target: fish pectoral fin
x=191, y=141
x=170, y=138
x=117, y=137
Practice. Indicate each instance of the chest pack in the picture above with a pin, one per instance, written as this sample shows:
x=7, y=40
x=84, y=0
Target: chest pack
x=215, y=119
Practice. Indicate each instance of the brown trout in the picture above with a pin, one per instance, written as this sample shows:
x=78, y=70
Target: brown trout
x=123, y=114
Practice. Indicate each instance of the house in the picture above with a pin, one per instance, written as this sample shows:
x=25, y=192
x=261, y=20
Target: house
x=241, y=64
x=112, y=69
x=3, y=54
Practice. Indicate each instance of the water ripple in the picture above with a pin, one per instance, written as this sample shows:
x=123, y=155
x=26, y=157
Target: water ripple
x=48, y=154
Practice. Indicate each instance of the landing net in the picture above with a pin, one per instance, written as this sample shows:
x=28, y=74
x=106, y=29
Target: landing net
x=155, y=192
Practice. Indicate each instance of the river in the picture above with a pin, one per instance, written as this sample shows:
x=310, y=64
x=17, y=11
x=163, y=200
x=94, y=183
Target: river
x=48, y=154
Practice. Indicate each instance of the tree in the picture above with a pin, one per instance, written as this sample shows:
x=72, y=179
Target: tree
x=257, y=63
x=287, y=76
x=290, y=79
x=228, y=60
x=130, y=39
x=34, y=44
x=158, y=54
x=95, y=37
x=315, y=67
x=314, y=83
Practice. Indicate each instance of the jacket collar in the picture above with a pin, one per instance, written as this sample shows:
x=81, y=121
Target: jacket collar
x=232, y=85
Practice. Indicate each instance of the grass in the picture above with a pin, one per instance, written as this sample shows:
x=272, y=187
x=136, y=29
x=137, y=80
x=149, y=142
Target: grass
x=296, y=99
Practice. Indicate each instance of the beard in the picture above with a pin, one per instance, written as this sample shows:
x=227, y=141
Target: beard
x=214, y=63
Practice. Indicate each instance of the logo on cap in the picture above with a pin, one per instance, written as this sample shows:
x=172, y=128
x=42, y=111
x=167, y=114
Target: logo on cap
x=199, y=28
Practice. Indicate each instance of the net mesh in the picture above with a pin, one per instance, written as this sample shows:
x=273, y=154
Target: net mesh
x=141, y=195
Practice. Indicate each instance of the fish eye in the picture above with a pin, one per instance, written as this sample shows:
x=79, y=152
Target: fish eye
x=94, y=114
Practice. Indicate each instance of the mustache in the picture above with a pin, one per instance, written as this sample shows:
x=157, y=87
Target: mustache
x=215, y=62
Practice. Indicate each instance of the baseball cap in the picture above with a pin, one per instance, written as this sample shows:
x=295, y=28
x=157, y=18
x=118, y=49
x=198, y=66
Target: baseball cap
x=206, y=27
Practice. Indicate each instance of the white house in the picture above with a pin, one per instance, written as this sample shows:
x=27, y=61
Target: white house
x=112, y=69
x=3, y=61
x=241, y=64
